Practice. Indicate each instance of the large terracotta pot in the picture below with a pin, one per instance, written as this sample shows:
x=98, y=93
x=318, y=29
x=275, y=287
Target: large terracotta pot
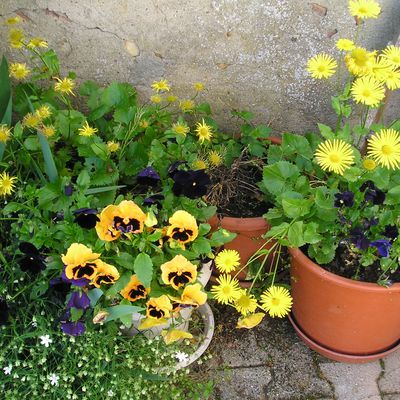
x=340, y=318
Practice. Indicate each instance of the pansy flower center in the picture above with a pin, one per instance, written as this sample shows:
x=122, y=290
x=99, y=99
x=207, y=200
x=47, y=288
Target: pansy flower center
x=138, y=292
x=155, y=312
x=181, y=234
x=180, y=278
x=126, y=225
x=84, y=271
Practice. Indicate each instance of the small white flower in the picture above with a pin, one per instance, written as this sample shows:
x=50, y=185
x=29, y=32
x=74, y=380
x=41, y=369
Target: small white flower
x=45, y=340
x=181, y=356
x=110, y=393
x=7, y=370
x=34, y=322
x=53, y=378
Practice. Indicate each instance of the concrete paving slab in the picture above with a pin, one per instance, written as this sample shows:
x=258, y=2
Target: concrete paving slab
x=390, y=380
x=241, y=383
x=395, y=396
x=353, y=381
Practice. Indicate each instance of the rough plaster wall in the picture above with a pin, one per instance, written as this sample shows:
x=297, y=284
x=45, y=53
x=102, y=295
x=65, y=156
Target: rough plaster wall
x=251, y=54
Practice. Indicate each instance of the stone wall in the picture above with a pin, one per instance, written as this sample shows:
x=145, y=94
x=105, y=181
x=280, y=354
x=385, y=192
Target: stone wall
x=251, y=54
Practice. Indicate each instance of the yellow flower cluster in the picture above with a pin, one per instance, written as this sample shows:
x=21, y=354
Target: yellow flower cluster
x=372, y=72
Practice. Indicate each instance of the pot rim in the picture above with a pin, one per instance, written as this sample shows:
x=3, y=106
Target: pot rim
x=346, y=282
x=244, y=224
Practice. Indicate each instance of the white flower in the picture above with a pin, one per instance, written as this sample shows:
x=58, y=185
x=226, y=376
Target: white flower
x=45, y=340
x=34, y=322
x=181, y=356
x=53, y=378
x=110, y=393
x=7, y=370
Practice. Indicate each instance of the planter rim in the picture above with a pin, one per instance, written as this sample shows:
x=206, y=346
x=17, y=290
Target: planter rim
x=346, y=282
x=244, y=224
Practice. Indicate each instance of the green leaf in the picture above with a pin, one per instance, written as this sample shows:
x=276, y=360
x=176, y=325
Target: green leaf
x=295, y=234
x=296, y=145
x=120, y=310
x=100, y=149
x=279, y=177
x=124, y=115
x=76, y=314
x=126, y=260
x=273, y=213
x=393, y=196
x=94, y=296
x=5, y=93
x=246, y=115
x=201, y=245
x=103, y=189
x=221, y=236
x=294, y=208
x=31, y=143
x=326, y=131
x=83, y=179
x=310, y=233
x=143, y=267
x=204, y=108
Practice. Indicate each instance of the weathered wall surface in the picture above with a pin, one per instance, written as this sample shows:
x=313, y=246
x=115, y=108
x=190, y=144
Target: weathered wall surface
x=251, y=54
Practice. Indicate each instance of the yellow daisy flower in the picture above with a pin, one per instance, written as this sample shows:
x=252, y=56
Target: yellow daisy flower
x=198, y=86
x=16, y=37
x=246, y=303
x=64, y=86
x=369, y=164
x=368, y=91
x=203, y=131
x=277, y=301
x=19, y=70
x=392, y=54
x=384, y=148
x=250, y=321
x=87, y=130
x=5, y=133
x=180, y=128
x=227, y=261
x=199, y=164
x=6, y=184
x=379, y=69
x=14, y=20
x=227, y=290
x=392, y=80
x=321, y=66
x=48, y=130
x=43, y=112
x=171, y=98
x=161, y=86
x=144, y=123
x=31, y=120
x=113, y=146
x=37, y=42
x=364, y=8
x=187, y=105
x=156, y=99
x=359, y=60
x=345, y=44
x=334, y=155
x=215, y=158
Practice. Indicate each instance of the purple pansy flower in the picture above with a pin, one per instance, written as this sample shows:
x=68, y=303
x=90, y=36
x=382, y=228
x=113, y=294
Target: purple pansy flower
x=358, y=238
x=32, y=260
x=79, y=300
x=86, y=217
x=372, y=193
x=148, y=177
x=383, y=246
x=73, y=328
x=344, y=199
x=391, y=232
x=192, y=184
x=154, y=199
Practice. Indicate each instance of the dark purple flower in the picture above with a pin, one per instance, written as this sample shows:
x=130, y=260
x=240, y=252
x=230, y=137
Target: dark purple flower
x=73, y=328
x=357, y=237
x=391, y=232
x=154, y=199
x=3, y=312
x=383, y=246
x=76, y=282
x=192, y=184
x=86, y=217
x=68, y=190
x=148, y=177
x=79, y=300
x=372, y=193
x=174, y=167
x=32, y=260
x=344, y=199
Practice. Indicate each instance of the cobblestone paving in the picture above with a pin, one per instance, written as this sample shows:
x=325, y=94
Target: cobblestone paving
x=271, y=363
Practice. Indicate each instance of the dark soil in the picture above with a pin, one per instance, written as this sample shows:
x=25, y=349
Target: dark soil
x=234, y=190
x=346, y=264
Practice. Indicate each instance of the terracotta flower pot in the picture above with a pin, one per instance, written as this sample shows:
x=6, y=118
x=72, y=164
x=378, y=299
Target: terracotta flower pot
x=249, y=235
x=340, y=318
x=248, y=240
